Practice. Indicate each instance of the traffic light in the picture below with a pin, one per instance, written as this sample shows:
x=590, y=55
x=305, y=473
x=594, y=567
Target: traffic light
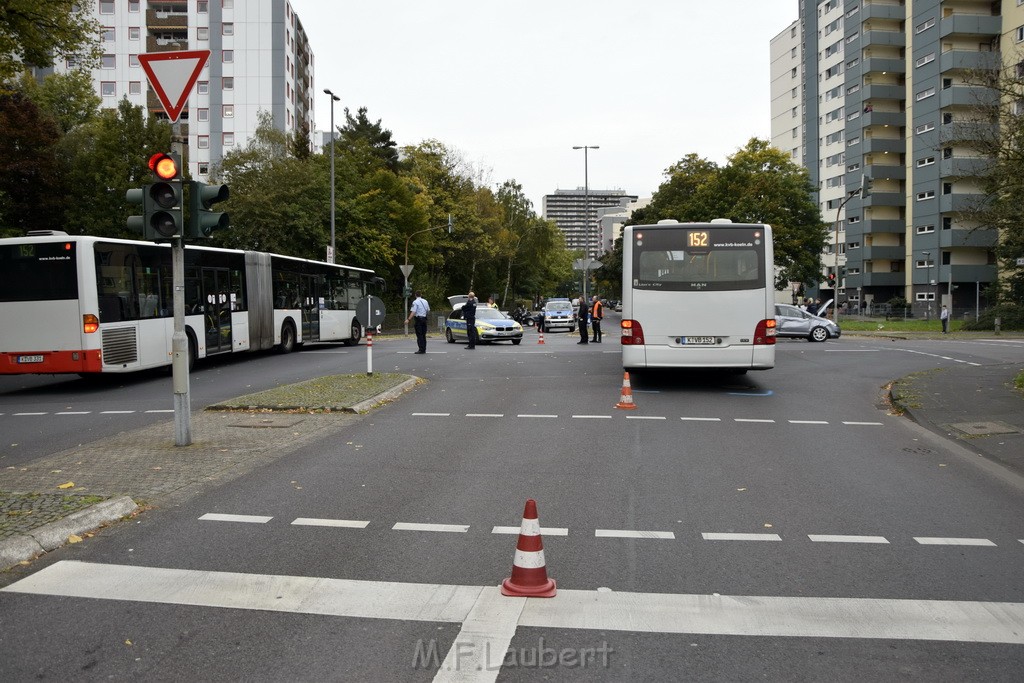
x=832, y=279
x=202, y=221
x=162, y=199
x=137, y=195
x=865, y=186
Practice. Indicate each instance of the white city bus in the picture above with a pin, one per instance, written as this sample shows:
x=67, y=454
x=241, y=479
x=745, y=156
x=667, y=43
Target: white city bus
x=698, y=295
x=86, y=305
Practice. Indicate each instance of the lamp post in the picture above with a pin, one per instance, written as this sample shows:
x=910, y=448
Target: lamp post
x=334, y=98
x=406, y=268
x=928, y=284
x=586, y=214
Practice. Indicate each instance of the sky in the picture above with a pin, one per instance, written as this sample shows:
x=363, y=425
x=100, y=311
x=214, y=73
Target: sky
x=513, y=86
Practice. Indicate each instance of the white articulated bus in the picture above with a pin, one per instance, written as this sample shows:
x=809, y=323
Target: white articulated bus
x=698, y=295
x=87, y=305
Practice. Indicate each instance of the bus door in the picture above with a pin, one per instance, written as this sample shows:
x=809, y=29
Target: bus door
x=217, y=311
x=311, y=294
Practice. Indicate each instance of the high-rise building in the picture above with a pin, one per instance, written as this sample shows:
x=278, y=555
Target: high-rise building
x=260, y=61
x=884, y=90
x=575, y=212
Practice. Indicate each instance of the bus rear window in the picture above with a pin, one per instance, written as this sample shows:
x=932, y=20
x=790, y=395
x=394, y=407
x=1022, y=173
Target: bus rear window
x=38, y=271
x=723, y=260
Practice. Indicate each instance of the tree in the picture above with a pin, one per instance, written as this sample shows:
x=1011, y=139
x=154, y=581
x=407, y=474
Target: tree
x=31, y=179
x=34, y=32
x=69, y=98
x=760, y=184
x=359, y=128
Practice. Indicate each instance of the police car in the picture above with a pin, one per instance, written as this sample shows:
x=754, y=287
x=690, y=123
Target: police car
x=491, y=325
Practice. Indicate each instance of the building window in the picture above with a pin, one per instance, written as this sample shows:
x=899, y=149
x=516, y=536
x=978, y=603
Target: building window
x=228, y=139
x=925, y=94
x=134, y=33
x=204, y=169
x=227, y=56
x=204, y=142
x=853, y=219
x=921, y=28
x=202, y=114
x=109, y=34
x=947, y=118
x=925, y=229
x=1018, y=35
x=108, y=89
x=108, y=62
x=930, y=57
x=922, y=196
x=793, y=113
x=134, y=87
x=947, y=152
x=926, y=161
x=227, y=4
x=227, y=29
x=133, y=60
x=106, y=7
x=947, y=223
x=228, y=111
x=203, y=87
x=792, y=74
x=924, y=128
x=947, y=83
x=925, y=296
x=947, y=188
x=793, y=93
x=228, y=83
x=202, y=6
x=203, y=33
x=133, y=5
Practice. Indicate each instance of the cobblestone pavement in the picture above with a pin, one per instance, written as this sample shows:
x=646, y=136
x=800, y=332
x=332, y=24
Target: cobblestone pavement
x=20, y=513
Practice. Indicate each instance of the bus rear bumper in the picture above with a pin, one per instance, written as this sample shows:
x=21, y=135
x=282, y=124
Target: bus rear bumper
x=747, y=357
x=51, y=362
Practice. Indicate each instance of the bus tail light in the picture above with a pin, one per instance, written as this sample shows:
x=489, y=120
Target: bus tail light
x=764, y=335
x=90, y=323
x=632, y=333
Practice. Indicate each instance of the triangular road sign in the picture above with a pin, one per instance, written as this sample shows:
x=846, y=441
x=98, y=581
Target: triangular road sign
x=173, y=75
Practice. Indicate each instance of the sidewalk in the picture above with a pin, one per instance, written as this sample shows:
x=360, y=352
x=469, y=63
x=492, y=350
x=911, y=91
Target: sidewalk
x=114, y=477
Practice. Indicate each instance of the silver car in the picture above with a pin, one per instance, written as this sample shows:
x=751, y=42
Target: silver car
x=790, y=321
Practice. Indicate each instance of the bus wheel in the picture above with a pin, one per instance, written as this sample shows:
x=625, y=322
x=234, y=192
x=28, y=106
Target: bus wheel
x=287, y=344
x=353, y=340
x=193, y=353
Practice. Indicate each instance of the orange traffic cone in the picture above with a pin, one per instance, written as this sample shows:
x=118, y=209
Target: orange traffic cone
x=540, y=339
x=626, y=401
x=529, y=575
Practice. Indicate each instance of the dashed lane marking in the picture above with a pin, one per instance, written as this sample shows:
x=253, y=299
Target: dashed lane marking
x=443, y=528
x=591, y=417
x=750, y=419
x=485, y=415
x=29, y=414
x=831, y=538
x=701, y=419
x=928, y=540
x=936, y=355
x=544, y=530
x=484, y=614
x=340, y=523
x=116, y=412
x=74, y=412
x=808, y=422
x=644, y=417
x=864, y=424
x=740, y=537
x=540, y=416
x=251, y=519
x=632, y=533
x=431, y=414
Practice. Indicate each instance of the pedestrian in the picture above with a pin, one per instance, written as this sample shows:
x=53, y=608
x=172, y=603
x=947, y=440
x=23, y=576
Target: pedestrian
x=812, y=308
x=596, y=315
x=469, y=315
x=418, y=313
x=581, y=318
x=944, y=317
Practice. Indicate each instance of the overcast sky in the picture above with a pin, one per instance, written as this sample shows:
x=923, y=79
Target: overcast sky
x=514, y=85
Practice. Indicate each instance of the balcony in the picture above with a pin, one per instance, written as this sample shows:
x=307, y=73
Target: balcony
x=883, y=145
x=972, y=26
x=896, y=226
x=971, y=273
x=880, y=172
x=165, y=20
x=960, y=237
x=969, y=60
x=968, y=96
x=883, y=118
x=166, y=45
x=883, y=253
x=880, y=64
x=882, y=279
x=893, y=38
x=960, y=202
x=968, y=130
x=884, y=199
x=896, y=93
x=964, y=167
x=877, y=10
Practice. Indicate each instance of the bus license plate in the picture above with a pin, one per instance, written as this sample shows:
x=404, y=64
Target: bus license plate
x=30, y=359
x=701, y=341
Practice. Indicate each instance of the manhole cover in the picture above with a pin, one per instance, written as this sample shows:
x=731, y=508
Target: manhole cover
x=268, y=422
x=984, y=428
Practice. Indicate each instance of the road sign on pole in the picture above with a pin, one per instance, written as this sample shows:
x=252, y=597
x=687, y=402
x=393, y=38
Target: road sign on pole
x=173, y=75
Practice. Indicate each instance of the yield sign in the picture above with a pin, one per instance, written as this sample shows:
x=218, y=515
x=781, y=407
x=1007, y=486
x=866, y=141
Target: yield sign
x=173, y=75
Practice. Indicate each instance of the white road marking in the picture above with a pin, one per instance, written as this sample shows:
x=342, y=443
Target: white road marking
x=870, y=424
x=218, y=517
x=544, y=530
x=592, y=417
x=343, y=523
x=30, y=414
x=935, y=355
x=931, y=540
x=479, y=649
x=486, y=619
x=163, y=410
x=701, y=419
x=644, y=417
x=544, y=416
x=485, y=415
x=827, y=538
x=116, y=412
x=74, y=412
x=631, y=533
x=740, y=537
x=431, y=414
x=446, y=528
x=746, y=419
x=808, y=422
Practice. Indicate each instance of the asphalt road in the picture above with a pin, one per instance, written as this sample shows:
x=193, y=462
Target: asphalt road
x=777, y=525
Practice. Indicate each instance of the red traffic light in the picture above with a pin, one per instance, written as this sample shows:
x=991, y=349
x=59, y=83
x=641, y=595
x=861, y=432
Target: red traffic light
x=164, y=166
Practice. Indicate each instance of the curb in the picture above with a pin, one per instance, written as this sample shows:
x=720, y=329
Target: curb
x=55, y=534
x=390, y=394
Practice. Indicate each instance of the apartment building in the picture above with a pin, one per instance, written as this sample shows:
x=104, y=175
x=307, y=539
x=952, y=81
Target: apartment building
x=885, y=92
x=575, y=212
x=260, y=61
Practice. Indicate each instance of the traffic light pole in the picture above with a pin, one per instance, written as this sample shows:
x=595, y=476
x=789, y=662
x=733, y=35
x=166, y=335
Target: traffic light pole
x=179, y=340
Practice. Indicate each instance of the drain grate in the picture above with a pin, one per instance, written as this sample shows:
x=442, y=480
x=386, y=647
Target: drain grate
x=984, y=428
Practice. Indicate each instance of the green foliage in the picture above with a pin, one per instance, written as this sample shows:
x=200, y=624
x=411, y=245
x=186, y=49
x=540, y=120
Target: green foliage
x=34, y=32
x=70, y=99
x=359, y=130
x=760, y=184
x=898, y=304
x=1011, y=317
x=31, y=177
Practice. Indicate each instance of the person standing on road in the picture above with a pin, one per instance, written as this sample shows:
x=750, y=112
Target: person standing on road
x=469, y=315
x=944, y=317
x=581, y=314
x=418, y=312
x=596, y=315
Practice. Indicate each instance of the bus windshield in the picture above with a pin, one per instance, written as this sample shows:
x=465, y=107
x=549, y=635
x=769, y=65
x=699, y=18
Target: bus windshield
x=42, y=271
x=709, y=260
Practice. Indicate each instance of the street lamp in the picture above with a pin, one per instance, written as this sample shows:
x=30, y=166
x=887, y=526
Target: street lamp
x=586, y=215
x=406, y=268
x=928, y=284
x=334, y=98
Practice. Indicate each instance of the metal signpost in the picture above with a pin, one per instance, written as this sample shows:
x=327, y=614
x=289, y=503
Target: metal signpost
x=375, y=311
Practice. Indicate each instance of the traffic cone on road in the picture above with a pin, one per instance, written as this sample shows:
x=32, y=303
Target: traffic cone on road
x=529, y=575
x=540, y=339
x=626, y=400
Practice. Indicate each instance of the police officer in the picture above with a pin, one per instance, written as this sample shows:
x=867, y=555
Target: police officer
x=469, y=315
x=419, y=310
x=581, y=319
